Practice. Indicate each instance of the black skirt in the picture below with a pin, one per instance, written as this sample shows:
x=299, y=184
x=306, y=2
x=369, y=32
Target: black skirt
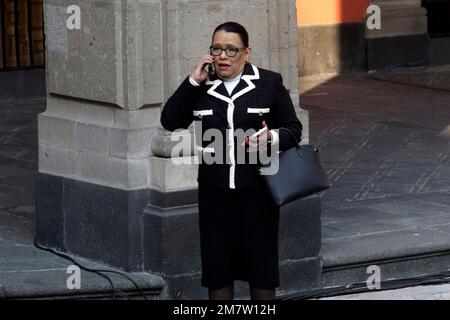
x=238, y=237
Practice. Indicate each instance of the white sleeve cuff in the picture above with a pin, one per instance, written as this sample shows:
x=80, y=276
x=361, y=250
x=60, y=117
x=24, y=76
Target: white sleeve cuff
x=193, y=82
x=275, y=138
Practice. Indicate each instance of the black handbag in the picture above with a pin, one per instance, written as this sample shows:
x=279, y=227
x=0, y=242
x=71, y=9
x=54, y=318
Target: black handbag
x=299, y=174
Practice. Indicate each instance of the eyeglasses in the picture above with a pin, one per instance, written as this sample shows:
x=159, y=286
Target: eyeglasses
x=230, y=51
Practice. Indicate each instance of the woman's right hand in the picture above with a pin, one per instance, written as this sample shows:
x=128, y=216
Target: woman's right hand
x=200, y=74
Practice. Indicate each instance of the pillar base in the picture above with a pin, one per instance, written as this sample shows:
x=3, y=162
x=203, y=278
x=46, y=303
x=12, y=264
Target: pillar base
x=155, y=232
x=93, y=221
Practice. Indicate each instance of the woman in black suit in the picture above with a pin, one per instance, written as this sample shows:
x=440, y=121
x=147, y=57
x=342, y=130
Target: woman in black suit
x=238, y=222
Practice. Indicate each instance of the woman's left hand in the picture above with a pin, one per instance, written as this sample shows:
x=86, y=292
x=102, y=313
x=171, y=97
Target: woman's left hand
x=260, y=141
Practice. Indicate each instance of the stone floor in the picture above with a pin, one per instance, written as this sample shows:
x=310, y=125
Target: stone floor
x=385, y=143
x=18, y=164
x=386, y=148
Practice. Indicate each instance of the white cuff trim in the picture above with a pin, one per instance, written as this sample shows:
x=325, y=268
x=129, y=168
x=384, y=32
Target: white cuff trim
x=193, y=82
x=275, y=137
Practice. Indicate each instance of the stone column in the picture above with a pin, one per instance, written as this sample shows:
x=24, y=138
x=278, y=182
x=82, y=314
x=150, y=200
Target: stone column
x=107, y=187
x=403, y=35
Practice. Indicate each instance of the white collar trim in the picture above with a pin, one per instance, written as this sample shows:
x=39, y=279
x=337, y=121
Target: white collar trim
x=246, y=77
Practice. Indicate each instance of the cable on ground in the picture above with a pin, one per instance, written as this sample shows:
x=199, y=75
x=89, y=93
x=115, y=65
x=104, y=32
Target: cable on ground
x=95, y=271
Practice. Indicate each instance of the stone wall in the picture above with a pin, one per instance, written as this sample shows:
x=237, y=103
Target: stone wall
x=351, y=47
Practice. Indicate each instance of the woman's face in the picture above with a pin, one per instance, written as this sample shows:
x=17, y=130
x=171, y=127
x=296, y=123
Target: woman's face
x=229, y=67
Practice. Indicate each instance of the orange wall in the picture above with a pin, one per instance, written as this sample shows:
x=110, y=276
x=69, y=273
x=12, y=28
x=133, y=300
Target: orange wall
x=312, y=12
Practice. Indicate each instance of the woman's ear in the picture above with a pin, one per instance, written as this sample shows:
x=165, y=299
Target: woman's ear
x=248, y=54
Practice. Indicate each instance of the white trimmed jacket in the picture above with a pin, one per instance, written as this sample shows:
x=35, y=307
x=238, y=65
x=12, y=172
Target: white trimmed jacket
x=260, y=95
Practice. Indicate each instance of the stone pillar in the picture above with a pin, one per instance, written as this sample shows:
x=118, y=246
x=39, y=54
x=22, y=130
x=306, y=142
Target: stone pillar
x=403, y=35
x=107, y=188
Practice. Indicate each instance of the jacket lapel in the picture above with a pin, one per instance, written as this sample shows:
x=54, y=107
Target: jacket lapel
x=246, y=85
x=241, y=86
x=218, y=90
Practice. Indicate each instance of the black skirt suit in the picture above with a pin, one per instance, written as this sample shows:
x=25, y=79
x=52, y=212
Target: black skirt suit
x=238, y=221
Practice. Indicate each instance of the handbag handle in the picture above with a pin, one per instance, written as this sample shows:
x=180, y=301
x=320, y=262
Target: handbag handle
x=295, y=138
x=297, y=147
x=316, y=150
x=292, y=134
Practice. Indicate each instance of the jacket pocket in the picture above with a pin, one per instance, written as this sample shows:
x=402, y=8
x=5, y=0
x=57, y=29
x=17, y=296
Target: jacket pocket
x=199, y=114
x=259, y=111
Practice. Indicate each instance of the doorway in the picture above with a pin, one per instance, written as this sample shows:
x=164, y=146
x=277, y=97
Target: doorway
x=21, y=34
x=438, y=12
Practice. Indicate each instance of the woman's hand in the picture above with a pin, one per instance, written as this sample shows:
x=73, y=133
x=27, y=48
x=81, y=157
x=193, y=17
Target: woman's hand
x=200, y=74
x=260, y=141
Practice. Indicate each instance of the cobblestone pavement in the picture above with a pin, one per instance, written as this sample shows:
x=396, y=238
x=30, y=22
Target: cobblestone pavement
x=18, y=164
x=386, y=149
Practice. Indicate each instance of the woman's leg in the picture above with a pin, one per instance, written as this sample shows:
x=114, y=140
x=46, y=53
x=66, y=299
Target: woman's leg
x=262, y=294
x=225, y=293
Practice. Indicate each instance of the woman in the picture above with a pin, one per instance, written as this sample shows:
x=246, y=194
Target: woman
x=238, y=222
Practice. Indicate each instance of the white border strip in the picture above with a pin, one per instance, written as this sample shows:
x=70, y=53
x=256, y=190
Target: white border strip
x=203, y=112
x=258, y=110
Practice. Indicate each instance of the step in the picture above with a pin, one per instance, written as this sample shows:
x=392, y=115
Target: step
x=439, y=51
x=30, y=273
x=400, y=254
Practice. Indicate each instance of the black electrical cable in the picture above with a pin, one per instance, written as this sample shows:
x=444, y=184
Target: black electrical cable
x=96, y=271
x=437, y=278
x=81, y=267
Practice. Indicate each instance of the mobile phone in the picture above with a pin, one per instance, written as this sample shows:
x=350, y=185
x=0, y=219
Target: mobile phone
x=210, y=69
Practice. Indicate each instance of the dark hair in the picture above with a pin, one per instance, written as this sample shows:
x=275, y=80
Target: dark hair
x=235, y=28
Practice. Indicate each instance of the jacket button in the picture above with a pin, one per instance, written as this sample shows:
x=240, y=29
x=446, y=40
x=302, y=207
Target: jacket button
x=260, y=114
x=228, y=126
